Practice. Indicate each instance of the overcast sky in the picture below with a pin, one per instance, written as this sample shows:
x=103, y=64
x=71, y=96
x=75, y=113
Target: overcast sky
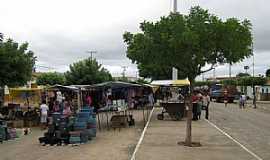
x=61, y=31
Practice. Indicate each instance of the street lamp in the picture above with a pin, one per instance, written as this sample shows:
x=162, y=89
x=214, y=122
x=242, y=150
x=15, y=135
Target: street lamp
x=246, y=68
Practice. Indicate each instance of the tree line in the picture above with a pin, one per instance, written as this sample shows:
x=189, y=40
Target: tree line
x=18, y=65
x=240, y=81
x=84, y=72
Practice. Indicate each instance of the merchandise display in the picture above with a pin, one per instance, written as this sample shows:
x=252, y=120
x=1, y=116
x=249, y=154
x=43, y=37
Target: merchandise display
x=71, y=130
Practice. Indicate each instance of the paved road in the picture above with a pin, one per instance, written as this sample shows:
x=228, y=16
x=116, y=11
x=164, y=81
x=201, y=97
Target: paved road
x=249, y=126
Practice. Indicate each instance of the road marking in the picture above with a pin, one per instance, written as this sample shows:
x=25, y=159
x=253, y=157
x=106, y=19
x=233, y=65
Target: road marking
x=142, y=136
x=226, y=134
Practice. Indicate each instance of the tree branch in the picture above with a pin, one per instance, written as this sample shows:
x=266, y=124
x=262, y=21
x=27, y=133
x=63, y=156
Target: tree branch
x=209, y=69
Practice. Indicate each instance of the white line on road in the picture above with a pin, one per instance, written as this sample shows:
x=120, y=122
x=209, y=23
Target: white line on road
x=142, y=135
x=226, y=134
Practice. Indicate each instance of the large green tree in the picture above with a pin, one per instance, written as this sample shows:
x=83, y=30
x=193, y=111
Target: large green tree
x=189, y=43
x=16, y=63
x=87, y=72
x=51, y=78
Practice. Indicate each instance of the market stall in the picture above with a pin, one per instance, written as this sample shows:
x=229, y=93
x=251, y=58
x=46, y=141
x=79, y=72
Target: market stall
x=172, y=94
x=21, y=106
x=70, y=94
x=118, y=100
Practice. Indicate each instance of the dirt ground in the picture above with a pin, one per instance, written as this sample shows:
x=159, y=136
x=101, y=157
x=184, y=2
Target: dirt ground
x=108, y=145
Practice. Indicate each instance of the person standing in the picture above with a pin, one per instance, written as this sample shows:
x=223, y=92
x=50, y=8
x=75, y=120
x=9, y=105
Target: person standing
x=44, y=114
x=67, y=111
x=89, y=100
x=199, y=107
x=194, y=99
x=206, y=102
x=226, y=99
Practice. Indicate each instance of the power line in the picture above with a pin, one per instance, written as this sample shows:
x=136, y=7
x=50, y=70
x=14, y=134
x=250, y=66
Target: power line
x=91, y=52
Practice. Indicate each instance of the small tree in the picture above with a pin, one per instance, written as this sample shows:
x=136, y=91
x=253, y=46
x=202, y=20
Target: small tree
x=189, y=43
x=16, y=61
x=87, y=72
x=51, y=78
x=1, y=37
x=267, y=73
x=243, y=75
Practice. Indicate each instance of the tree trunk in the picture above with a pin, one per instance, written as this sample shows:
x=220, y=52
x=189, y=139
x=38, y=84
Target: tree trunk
x=188, y=140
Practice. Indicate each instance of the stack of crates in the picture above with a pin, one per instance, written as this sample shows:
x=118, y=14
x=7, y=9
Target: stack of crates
x=91, y=122
x=12, y=133
x=74, y=137
x=85, y=124
x=3, y=135
x=78, y=135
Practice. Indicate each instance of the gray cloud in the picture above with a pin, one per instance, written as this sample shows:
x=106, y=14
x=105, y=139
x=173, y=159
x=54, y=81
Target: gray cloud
x=62, y=35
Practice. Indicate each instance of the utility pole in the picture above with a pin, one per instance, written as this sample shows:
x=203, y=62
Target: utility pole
x=174, y=6
x=91, y=52
x=189, y=108
x=230, y=70
x=253, y=72
x=174, y=70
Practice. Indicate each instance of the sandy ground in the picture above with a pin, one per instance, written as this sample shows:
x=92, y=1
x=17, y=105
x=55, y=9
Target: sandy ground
x=108, y=145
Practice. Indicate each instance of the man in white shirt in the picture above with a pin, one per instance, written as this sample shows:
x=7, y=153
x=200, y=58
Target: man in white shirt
x=43, y=114
x=242, y=100
x=206, y=102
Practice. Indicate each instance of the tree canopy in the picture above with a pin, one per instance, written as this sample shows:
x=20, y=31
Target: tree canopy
x=246, y=81
x=87, y=72
x=16, y=63
x=51, y=78
x=188, y=43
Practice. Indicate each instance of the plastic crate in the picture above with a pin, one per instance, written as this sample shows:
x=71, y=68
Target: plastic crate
x=80, y=125
x=74, y=139
x=92, y=132
x=84, y=136
x=92, y=120
x=83, y=115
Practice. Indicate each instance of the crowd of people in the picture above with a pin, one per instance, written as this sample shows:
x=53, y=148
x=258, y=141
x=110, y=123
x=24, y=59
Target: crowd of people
x=56, y=104
x=201, y=101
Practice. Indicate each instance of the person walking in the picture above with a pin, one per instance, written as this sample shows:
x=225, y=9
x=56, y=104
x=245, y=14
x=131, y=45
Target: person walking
x=43, y=114
x=242, y=101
